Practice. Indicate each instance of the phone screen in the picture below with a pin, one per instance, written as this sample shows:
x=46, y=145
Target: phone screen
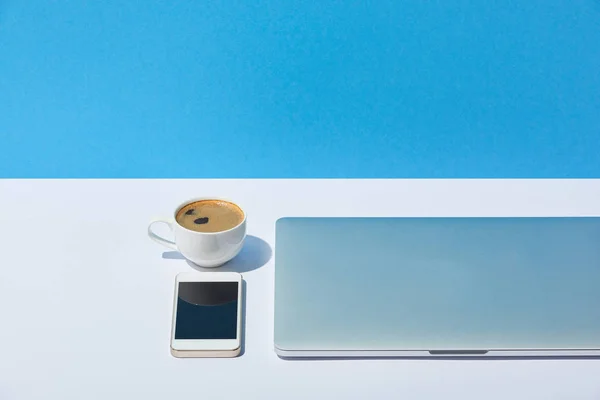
x=207, y=310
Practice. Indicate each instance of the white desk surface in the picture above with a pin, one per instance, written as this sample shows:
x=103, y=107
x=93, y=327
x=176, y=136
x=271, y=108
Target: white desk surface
x=86, y=297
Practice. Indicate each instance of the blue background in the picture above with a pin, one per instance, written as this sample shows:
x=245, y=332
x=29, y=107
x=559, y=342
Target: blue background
x=300, y=89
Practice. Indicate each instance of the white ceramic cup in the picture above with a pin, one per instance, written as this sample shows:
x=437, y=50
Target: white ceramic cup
x=205, y=249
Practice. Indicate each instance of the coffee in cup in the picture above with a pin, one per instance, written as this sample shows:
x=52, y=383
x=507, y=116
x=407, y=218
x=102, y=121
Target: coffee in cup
x=207, y=231
x=210, y=216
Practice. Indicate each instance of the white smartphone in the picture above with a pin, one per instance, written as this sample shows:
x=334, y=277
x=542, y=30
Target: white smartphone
x=207, y=315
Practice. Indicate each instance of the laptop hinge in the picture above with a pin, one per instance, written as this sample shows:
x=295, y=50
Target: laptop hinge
x=457, y=352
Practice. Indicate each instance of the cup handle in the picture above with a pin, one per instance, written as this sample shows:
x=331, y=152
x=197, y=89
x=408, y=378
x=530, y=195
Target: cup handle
x=168, y=243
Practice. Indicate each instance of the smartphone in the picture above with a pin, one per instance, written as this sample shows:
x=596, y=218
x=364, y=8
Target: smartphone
x=207, y=315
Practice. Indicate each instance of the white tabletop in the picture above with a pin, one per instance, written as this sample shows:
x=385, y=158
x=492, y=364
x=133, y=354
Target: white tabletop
x=86, y=297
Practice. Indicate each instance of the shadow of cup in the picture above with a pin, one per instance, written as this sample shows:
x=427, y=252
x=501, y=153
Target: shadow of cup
x=255, y=253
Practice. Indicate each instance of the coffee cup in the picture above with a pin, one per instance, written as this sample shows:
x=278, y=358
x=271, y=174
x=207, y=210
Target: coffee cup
x=207, y=231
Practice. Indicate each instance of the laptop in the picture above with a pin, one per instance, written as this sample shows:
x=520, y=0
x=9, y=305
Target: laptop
x=436, y=287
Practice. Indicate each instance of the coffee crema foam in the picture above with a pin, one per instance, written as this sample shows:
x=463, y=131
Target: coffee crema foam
x=210, y=216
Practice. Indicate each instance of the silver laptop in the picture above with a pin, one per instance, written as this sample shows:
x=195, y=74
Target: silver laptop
x=396, y=287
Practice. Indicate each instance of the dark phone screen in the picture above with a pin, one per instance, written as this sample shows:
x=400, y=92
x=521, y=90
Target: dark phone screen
x=206, y=310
